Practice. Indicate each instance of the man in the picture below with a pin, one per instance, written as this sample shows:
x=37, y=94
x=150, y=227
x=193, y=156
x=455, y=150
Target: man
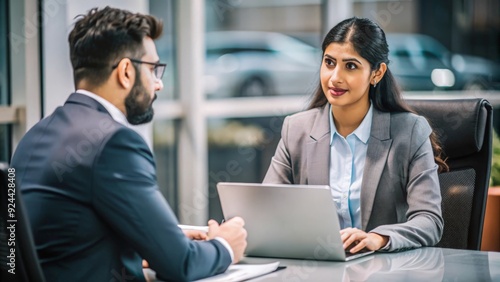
x=89, y=181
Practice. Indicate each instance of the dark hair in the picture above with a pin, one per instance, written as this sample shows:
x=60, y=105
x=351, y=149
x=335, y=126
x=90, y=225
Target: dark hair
x=368, y=39
x=103, y=37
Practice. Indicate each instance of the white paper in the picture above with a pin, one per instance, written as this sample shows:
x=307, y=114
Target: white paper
x=193, y=227
x=241, y=272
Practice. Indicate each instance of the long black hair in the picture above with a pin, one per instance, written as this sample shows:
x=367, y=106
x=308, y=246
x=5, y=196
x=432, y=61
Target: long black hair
x=368, y=39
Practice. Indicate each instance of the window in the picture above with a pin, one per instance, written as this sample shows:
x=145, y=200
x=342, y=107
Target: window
x=4, y=80
x=165, y=141
x=166, y=123
x=165, y=45
x=265, y=57
x=439, y=39
x=240, y=150
x=254, y=68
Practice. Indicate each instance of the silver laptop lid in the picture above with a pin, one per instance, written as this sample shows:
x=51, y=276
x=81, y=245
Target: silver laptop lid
x=282, y=220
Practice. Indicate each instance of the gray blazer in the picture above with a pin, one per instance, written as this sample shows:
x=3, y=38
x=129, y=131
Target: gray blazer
x=400, y=194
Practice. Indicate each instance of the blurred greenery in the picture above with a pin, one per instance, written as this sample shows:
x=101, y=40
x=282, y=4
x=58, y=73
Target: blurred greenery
x=495, y=161
x=235, y=134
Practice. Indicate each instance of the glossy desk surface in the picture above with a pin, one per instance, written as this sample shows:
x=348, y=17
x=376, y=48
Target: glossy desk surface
x=424, y=264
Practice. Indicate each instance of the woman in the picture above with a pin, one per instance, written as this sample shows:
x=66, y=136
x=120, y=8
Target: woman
x=380, y=159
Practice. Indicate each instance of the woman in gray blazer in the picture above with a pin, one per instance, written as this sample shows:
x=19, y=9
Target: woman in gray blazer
x=358, y=136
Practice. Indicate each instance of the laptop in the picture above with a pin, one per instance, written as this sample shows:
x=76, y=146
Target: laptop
x=287, y=221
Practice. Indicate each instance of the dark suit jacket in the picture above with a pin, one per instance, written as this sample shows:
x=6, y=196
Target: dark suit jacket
x=400, y=194
x=90, y=189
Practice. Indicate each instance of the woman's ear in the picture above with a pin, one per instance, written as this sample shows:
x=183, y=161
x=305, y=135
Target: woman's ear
x=125, y=74
x=379, y=74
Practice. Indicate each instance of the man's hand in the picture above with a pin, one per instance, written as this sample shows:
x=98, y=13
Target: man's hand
x=233, y=232
x=195, y=234
x=360, y=239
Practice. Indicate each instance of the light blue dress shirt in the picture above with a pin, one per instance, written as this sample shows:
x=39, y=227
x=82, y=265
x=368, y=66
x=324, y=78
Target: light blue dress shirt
x=347, y=161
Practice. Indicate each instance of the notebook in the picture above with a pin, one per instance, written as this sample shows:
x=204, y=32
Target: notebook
x=287, y=221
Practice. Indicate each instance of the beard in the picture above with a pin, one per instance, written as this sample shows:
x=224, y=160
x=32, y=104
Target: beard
x=138, y=104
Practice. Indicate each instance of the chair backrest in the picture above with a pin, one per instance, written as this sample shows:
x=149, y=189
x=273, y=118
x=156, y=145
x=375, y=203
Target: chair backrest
x=15, y=234
x=464, y=129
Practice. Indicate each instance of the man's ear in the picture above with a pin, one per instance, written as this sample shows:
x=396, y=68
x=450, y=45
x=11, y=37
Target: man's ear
x=125, y=74
x=379, y=74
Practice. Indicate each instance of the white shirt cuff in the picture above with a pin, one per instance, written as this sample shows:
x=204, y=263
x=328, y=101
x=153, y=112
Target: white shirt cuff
x=228, y=247
x=387, y=246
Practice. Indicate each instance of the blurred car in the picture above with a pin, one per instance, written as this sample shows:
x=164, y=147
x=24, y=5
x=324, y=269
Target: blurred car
x=254, y=63
x=420, y=62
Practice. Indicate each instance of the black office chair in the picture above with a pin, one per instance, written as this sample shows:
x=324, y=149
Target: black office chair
x=27, y=266
x=464, y=128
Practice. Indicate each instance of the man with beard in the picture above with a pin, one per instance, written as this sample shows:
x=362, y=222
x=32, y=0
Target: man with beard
x=89, y=181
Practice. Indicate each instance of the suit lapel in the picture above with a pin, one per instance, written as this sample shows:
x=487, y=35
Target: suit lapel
x=376, y=157
x=318, y=149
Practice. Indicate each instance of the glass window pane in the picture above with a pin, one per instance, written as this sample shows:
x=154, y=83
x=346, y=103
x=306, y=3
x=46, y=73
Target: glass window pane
x=278, y=54
x=439, y=46
x=165, y=132
x=240, y=150
x=4, y=80
x=165, y=46
x=165, y=144
x=275, y=55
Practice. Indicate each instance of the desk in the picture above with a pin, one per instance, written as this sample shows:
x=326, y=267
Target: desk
x=424, y=264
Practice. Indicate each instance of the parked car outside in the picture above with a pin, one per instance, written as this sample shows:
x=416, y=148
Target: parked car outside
x=420, y=62
x=255, y=63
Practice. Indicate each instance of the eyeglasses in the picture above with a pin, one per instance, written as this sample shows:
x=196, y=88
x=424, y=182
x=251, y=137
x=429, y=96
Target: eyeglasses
x=159, y=68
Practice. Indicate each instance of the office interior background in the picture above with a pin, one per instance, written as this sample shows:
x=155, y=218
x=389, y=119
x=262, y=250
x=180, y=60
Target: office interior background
x=236, y=68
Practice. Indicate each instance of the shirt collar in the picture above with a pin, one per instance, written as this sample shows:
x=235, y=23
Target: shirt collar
x=362, y=132
x=115, y=113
